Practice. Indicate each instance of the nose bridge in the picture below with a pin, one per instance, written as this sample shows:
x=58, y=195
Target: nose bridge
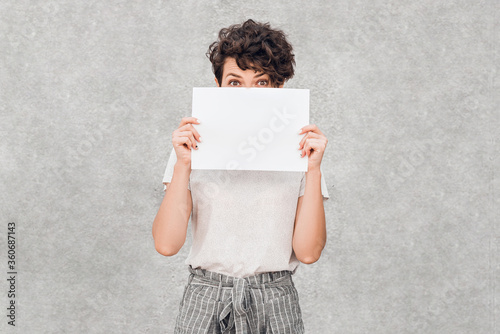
x=248, y=79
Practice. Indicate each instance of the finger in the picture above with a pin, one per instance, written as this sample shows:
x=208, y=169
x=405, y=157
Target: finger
x=186, y=120
x=195, y=144
x=310, y=127
x=188, y=134
x=302, y=141
x=305, y=149
x=190, y=127
x=308, y=135
x=310, y=147
x=181, y=141
x=311, y=144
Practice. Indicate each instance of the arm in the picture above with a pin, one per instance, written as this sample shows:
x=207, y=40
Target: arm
x=309, y=236
x=171, y=221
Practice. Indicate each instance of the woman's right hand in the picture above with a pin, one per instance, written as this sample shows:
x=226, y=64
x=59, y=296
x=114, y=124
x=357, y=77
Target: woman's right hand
x=184, y=138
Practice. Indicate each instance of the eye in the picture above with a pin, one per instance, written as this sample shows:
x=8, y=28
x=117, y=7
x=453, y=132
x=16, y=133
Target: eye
x=262, y=83
x=233, y=83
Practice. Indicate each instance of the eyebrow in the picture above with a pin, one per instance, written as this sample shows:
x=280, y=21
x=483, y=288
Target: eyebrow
x=238, y=76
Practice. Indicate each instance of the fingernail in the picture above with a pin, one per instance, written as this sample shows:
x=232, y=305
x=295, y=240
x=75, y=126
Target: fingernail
x=299, y=147
x=196, y=146
x=300, y=131
x=197, y=120
x=199, y=138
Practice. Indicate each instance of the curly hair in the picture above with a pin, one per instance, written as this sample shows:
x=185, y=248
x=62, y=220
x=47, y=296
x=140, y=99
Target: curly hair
x=254, y=46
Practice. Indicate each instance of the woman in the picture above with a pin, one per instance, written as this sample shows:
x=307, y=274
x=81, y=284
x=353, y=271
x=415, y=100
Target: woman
x=249, y=233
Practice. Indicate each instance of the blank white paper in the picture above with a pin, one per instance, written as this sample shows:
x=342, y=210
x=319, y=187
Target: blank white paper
x=250, y=128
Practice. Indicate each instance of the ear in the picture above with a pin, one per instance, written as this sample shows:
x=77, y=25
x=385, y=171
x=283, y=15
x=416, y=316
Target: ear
x=216, y=82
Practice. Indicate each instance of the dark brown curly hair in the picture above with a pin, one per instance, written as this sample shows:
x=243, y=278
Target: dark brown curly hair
x=256, y=46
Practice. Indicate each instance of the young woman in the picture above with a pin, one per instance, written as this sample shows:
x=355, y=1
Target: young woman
x=250, y=228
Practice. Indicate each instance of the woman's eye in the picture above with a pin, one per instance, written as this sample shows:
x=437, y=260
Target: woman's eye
x=262, y=83
x=233, y=83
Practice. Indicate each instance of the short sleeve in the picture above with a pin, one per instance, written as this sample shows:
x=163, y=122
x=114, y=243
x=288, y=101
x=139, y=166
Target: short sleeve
x=324, y=188
x=169, y=171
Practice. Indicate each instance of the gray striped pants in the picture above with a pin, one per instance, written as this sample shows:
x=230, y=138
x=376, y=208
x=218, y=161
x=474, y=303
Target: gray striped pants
x=217, y=303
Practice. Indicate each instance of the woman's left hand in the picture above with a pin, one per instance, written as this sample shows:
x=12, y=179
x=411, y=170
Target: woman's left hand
x=313, y=144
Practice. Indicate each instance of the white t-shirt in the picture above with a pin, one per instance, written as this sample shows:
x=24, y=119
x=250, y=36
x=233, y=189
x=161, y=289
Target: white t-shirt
x=242, y=220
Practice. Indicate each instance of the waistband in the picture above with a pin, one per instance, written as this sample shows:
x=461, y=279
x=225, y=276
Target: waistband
x=273, y=278
x=238, y=305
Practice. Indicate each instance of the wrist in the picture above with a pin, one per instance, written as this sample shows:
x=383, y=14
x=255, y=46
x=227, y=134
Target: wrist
x=183, y=168
x=313, y=170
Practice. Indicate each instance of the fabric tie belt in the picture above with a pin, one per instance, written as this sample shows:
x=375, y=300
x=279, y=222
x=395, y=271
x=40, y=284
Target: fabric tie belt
x=238, y=304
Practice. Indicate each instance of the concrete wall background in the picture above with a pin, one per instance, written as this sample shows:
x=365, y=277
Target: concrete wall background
x=405, y=91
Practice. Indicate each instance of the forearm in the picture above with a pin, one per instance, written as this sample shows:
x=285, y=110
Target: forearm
x=309, y=236
x=171, y=221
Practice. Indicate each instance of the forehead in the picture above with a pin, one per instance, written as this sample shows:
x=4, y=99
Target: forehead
x=230, y=66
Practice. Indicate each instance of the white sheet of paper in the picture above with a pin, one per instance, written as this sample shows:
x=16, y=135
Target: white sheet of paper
x=250, y=128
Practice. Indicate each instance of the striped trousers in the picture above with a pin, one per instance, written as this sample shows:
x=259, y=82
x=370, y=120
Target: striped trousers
x=217, y=303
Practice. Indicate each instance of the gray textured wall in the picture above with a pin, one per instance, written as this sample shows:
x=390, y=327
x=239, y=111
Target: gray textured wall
x=406, y=92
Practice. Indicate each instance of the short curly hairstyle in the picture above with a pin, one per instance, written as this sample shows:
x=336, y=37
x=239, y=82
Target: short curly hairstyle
x=254, y=46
